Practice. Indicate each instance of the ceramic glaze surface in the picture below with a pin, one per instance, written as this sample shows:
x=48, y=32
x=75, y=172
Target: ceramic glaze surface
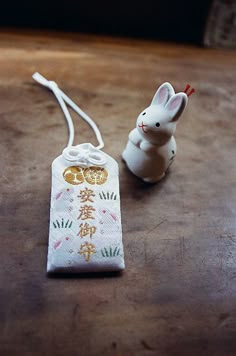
x=151, y=146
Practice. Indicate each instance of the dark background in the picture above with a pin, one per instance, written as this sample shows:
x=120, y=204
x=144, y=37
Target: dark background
x=180, y=21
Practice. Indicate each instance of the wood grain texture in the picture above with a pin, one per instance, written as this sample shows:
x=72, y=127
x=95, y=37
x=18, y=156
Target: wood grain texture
x=177, y=294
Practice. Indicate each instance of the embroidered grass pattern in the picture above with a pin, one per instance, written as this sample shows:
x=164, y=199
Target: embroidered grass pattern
x=108, y=196
x=62, y=224
x=109, y=252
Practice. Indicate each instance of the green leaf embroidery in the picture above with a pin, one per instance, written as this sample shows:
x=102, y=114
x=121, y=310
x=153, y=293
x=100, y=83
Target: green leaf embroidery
x=110, y=252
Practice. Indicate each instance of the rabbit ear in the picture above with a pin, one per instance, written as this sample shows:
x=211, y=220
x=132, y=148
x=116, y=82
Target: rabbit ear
x=176, y=105
x=163, y=93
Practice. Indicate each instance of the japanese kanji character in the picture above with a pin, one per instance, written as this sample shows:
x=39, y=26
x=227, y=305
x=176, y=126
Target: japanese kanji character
x=86, y=229
x=86, y=195
x=87, y=250
x=86, y=212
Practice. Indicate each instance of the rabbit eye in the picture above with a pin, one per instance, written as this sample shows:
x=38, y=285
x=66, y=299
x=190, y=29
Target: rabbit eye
x=144, y=113
x=157, y=124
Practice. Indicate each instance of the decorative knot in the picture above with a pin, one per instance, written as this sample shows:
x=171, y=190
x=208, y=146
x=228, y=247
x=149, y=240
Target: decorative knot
x=84, y=155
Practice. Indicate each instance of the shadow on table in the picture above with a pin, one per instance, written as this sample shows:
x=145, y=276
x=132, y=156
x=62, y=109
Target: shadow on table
x=91, y=275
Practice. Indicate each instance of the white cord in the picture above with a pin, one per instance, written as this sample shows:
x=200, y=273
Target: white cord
x=62, y=98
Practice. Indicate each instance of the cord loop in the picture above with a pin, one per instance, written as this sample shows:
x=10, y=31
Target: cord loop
x=62, y=99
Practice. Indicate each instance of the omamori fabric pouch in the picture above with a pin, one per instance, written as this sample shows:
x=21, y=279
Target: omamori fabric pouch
x=85, y=233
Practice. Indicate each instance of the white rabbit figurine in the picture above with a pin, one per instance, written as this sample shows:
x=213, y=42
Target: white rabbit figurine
x=151, y=147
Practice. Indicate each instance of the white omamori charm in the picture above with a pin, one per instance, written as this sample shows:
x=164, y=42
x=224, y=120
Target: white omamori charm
x=151, y=147
x=85, y=232
x=85, y=223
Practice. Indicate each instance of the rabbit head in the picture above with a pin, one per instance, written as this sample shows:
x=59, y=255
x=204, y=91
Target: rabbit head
x=157, y=123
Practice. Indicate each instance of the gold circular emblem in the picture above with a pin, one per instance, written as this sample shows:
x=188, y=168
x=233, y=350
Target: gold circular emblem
x=95, y=175
x=73, y=175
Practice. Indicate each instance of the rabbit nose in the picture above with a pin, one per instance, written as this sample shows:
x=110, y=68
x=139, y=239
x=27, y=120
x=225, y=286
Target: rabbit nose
x=142, y=127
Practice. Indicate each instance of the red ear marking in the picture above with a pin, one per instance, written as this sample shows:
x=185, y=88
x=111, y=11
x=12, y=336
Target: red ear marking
x=187, y=89
x=191, y=92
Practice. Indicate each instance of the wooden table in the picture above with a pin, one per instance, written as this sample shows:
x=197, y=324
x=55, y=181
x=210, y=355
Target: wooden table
x=177, y=295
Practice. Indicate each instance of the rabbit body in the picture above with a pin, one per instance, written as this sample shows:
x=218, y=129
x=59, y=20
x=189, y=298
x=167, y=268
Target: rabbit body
x=148, y=161
x=151, y=147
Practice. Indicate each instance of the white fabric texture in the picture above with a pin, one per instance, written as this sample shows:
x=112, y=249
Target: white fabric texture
x=85, y=232
x=85, y=224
